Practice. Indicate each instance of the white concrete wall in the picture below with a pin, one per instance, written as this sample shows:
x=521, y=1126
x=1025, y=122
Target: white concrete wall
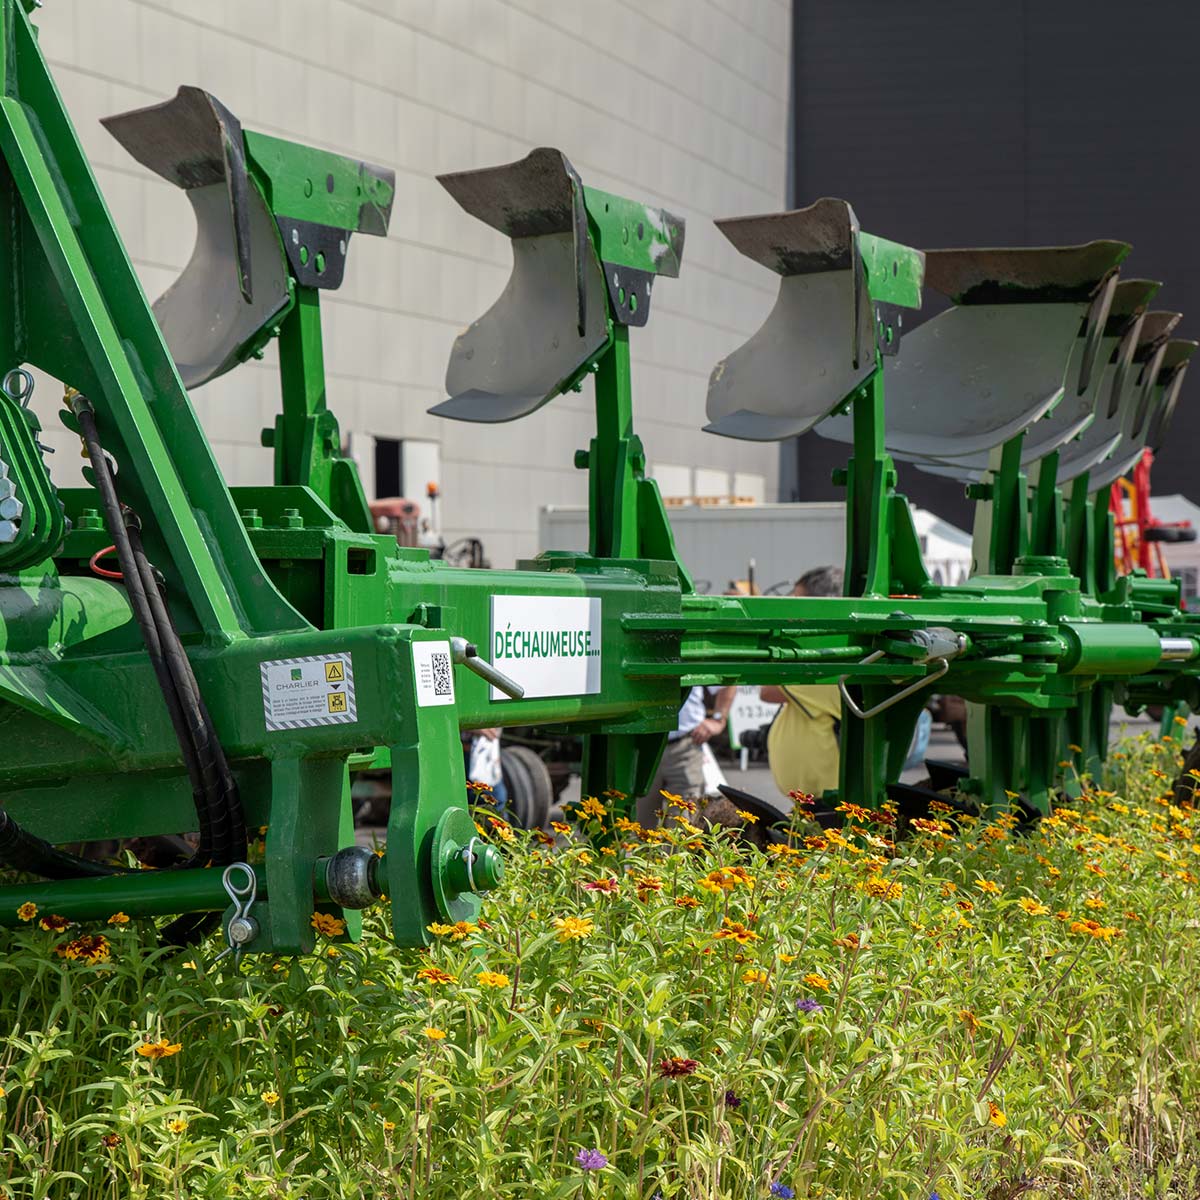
x=680, y=103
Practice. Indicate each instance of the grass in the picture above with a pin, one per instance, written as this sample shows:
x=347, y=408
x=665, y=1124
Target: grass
x=849, y=1018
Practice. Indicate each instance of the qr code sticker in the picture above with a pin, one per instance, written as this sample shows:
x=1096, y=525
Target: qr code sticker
x=442, y=686
x=434, y=673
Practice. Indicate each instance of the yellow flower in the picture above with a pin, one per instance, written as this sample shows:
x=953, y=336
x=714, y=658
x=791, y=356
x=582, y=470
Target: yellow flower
x=160, y=1049
x=388, y=1126
x=559, y=827
x=492, y=979
x=328, y=924
x=1094, y=902
x=1074, y=748
x=816, y=981
x=996, y=1116
x=1033, y=907
x=270, y=1098
x=686, y=902
x=27, y=911
x=787, y=958
x=989, y=886
x=177, y=1126
x=572, y=928
x=747, y=816
x=948, y=888
x=591, y=807
x=670, y=797
x=118, y=918
x=433, y=1033
x=969, y=1019
x=754, y=975
x=881, y=889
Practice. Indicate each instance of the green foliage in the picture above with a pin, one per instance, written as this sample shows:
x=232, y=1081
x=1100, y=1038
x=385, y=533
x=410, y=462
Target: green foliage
x=966, y=1041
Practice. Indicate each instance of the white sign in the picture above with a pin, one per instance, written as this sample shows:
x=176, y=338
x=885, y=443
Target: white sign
x=434, y=673
x=301, y=692
x=748, y=712
x=550, y=645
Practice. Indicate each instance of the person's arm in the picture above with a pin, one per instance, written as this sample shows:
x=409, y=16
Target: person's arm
x=713, y=725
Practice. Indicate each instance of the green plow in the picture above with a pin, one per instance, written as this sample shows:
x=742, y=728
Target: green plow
x=260, y=645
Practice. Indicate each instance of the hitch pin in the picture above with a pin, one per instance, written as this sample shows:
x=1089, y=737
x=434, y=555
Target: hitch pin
x=941, y=645
x=242, y=928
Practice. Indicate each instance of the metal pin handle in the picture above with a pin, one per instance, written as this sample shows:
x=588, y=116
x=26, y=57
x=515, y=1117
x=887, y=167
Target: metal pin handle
x=866, y=714
x=466, y=655
x=950, y=645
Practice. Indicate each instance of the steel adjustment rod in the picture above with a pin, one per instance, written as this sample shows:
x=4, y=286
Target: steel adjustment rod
x=466, y=654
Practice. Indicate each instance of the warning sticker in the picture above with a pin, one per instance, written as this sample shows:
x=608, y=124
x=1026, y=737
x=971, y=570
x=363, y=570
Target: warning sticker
x=302, y=692
x=434, y=673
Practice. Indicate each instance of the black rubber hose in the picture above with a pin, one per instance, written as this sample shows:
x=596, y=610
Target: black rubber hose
x=229, y=823
x=139, y=602
x=24, y=852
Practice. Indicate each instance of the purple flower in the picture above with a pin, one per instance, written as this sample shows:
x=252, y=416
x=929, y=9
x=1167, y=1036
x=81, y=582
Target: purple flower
x=808, y=1004
x=591, y=1160
x=782, y=1189
x=732, y=1099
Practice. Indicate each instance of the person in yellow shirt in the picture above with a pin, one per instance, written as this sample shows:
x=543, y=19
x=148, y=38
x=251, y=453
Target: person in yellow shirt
x=802, y=745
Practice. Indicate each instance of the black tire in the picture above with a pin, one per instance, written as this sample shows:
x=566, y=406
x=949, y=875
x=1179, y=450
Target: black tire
x=519, y=786
x=539, y=787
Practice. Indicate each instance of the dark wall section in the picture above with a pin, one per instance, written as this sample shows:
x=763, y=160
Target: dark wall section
x=951, y=124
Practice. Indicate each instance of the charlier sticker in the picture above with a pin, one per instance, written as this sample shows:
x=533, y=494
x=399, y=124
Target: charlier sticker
x=434, y=673
x=299, y=693
x=550, y=645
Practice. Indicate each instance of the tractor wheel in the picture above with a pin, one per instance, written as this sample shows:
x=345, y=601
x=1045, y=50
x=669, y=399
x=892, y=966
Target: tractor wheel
x=519, y=787
x=531, y=791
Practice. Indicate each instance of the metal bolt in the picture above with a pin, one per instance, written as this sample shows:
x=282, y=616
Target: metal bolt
x=242, y=931
x=11, y=508
x=7, y=488
x=8, y=532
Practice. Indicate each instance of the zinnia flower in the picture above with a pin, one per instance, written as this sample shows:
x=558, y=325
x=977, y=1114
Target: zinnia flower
x=118, y=918
x=676, y=1068
x=54, y=923
x=270, y=1098
x=737, y=931
x=492, y=979
x=607, y=885
x=754, y=975
x=817, y=981
x=160, y=1049
x=27, y=911
x=686, y=902
x=435, y=975
x=177, y=1126
x=996, y=1115
x=1032, y=907
x=572, y=928
x=328, y=924
x=433, y=1033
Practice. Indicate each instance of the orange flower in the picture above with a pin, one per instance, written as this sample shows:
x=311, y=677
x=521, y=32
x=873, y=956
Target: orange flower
x=989, y=886
x=969, y=1019
x=54, y=923
x=686, y=902
x=738, y=932
x=996, y=1115
x=492, y=979
x=160, y=1049
x=818, y=982
x=435, y=975
x=27, y=911
x=328, y=924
